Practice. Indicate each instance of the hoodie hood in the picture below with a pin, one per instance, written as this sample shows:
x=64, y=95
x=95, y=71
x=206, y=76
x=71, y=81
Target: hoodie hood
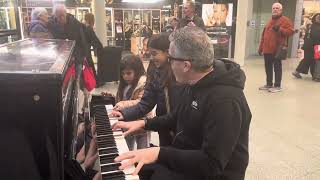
x=226, y=73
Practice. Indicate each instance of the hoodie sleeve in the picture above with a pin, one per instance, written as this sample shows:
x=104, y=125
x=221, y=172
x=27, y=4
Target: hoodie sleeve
x=160, y=123
x=145, y=105
x=221, y=131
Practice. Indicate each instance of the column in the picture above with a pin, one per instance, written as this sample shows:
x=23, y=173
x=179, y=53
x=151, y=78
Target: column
x=244, y=13
x=297, y=24
x=99, y=11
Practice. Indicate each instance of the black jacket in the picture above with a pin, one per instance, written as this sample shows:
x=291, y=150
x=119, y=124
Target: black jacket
x=196, y=19
x=73, y=30
x=212, y=124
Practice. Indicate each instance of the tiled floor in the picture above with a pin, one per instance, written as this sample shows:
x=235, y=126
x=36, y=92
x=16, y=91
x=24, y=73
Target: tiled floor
x=285, y=128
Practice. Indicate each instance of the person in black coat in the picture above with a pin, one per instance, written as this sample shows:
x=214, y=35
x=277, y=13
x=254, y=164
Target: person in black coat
x=211, y=119
x=312, y=38
x=159, y=89
x=63, y=25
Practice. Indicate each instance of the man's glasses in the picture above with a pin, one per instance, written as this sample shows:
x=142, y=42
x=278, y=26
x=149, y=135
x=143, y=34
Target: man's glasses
x=153, y=53
x=170, y=59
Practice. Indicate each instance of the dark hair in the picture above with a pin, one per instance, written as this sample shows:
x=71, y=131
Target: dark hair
x=89, y=19
x=133, y=62
x=160, y=42
x=313, y=20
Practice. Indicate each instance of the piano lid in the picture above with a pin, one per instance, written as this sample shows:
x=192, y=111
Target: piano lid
x=29, y=56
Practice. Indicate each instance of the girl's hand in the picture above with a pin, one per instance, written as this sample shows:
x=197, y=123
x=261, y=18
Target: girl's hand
x=120, y=105
x=107, y=94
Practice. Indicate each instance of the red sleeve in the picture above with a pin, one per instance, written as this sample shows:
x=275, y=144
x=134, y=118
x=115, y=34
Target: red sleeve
x=286, y=27
x=261, y=41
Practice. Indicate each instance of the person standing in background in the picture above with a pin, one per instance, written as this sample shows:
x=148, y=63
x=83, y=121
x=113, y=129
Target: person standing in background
x=190, y=19
x=276, y=32
x=39, y=21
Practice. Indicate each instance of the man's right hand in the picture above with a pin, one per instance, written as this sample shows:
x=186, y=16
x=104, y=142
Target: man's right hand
x=131, y=126
x=116, y=114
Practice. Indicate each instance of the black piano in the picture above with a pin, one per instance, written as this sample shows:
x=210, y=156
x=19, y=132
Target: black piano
x=38, y=102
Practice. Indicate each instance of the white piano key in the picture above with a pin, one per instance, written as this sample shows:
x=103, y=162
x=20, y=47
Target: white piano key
x=109, y=107
x=123, y=148
x=131, y=177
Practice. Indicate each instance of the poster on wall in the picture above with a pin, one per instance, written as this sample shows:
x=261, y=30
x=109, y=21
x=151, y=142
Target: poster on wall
x=217, y=18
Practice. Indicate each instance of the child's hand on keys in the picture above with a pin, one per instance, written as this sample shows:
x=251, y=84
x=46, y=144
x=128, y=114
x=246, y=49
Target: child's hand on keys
x=107, y=94
x=116, y=114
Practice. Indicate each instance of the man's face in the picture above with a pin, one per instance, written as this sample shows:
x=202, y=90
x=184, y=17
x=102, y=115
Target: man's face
x=276, y=9
x=61, y=16
x=178, y=67
x=44, y=17
x=187, y=10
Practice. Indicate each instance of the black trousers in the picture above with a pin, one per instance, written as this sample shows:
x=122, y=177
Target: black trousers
x=271, y=64
x=160, y=172
x=307, y=63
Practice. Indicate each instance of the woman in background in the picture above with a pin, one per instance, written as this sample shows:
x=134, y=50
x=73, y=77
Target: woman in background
x=312, y=38
x=39, y=21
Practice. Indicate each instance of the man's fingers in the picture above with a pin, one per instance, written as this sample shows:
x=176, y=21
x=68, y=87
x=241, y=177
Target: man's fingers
x=127, y=163
x=138, y=168
x=128, y=155
x=128, y=132
x=118, y=125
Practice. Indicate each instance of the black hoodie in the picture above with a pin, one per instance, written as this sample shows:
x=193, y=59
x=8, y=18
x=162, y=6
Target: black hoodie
x=212, y=124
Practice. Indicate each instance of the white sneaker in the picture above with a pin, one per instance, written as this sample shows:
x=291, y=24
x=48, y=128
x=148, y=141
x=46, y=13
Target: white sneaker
x=265, y=87
x=275, y=89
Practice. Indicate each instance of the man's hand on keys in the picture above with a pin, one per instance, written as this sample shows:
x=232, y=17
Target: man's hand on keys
x=141, y=156
x=116, y=114
x=131, y=126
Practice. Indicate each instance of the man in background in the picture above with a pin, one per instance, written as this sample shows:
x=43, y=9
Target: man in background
x=190, y=18
x=275, y=33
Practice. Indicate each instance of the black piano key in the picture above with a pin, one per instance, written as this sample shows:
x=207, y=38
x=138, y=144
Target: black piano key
x=107, y=159
x=119, y=175
x=106, y=144
x=110, y=167
x=108, y=151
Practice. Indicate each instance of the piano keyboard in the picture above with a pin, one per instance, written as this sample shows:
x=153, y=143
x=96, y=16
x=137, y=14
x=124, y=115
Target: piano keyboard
x=110, y=145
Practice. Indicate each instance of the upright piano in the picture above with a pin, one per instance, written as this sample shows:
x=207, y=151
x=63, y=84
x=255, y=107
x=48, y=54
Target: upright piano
x=37, y=102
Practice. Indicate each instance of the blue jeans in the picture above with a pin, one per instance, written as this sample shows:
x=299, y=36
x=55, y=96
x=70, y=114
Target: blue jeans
x=142, y=140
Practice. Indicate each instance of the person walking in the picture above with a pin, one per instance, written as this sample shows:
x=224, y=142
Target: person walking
x=312, y=38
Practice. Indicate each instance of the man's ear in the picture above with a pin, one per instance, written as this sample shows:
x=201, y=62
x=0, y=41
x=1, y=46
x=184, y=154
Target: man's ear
x=187, y=66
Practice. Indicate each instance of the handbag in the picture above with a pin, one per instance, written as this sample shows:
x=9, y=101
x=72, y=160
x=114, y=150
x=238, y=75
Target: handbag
x=71, y=72
x=89, y=80
x=281, y=51
x=316, y=52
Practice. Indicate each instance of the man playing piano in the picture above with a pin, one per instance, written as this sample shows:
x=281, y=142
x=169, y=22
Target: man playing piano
x=211, y=120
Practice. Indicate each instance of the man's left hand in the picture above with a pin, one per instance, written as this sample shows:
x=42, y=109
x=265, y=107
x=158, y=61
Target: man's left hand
x=142, y=157
x=276, y=28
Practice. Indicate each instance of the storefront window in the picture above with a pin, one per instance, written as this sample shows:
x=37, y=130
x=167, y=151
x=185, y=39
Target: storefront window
x=217, y=18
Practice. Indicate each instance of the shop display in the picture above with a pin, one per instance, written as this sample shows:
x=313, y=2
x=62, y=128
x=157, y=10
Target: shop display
x=218, y=21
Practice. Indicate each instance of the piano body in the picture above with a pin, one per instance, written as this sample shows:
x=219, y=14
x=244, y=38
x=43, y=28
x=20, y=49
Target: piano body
x=36, y=102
